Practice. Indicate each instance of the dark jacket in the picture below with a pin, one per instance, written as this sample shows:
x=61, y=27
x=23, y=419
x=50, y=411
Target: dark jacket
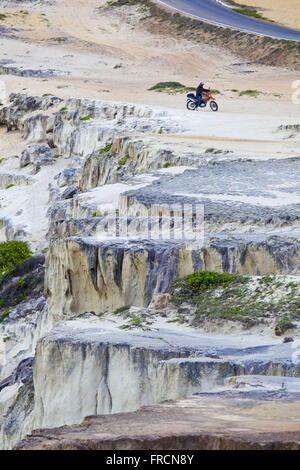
x=200, y=90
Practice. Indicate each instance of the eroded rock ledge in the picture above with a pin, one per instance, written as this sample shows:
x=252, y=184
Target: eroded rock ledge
x=229, y=421
x=83, y=274
x=115, y=371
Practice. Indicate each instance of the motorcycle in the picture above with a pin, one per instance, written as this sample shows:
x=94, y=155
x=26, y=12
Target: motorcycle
x=192, y=102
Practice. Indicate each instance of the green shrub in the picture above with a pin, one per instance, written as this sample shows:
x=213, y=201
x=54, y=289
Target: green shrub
x=121, y=309
x=192, y=287
x=97, y=213
x=12, y=253
x=85, y=118
x=122, y=161
x=171, y=87
x=20, y=298
x=167, y=164
x=163, y=85
x=202, y=280
x=282, y=326
x=107, y=148
x=4, y=314
x=253, y=93
x=22, y=283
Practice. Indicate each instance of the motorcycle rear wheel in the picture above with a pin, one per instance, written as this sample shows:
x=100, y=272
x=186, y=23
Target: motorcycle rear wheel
x=191, y=105
x=213, y=106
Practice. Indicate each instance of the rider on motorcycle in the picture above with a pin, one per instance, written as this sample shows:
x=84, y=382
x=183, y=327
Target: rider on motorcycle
x=199, y=92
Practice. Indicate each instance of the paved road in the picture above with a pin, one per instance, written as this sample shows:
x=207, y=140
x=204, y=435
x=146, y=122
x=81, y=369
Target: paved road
x=214, y=12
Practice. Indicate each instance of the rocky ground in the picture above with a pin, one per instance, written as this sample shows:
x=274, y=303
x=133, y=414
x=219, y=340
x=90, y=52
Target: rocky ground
x=228, y=421
x=166, y=242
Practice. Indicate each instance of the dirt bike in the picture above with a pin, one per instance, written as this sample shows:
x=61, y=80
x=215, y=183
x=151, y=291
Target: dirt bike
x=193, y=103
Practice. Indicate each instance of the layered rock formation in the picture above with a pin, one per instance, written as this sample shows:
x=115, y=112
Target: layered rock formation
x=121, y=215
x=113, y=371
x=86, y=275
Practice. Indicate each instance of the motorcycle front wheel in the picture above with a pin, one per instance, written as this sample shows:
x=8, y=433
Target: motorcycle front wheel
x=213, y=106
x=191, y=105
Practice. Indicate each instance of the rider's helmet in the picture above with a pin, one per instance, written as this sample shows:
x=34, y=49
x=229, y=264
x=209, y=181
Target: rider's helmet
x=201, y=84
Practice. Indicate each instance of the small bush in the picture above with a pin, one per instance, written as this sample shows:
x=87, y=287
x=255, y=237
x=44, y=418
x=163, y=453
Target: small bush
x=97, y=214
x=12, y=253
x=4, y=314
x=9, y=186
x=122, y=161
x=121, y=309
x=167, y=164
x=107, y=148
x=253, y=93
x=20, y=298
x=282, y=326
x=192, y=287
x=22, y=283
x=202, y=280
x=171, y=87
x=85, y=118
x=163, y=85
